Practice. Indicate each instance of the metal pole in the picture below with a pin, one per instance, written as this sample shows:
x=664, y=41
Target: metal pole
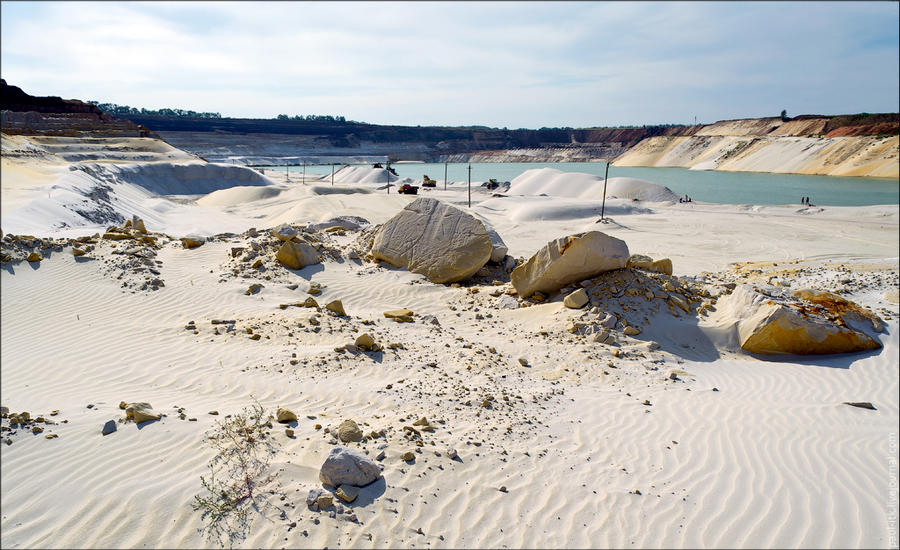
x=304, y=172
x=445, y=175
x=470, y=186
x=287, y=177
x=387, y=173
x=332, y=173
x=605, y=179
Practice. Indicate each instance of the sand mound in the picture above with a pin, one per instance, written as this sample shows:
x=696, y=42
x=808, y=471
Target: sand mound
x=548, y=181
x=241, y=194
x=167, y=178
x=530, y=209
x=363, y=174
x=91, y=195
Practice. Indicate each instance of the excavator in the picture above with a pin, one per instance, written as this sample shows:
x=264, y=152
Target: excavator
x=428, y=182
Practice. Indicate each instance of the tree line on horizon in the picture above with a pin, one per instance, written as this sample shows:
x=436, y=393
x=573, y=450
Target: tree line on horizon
x=126, y=110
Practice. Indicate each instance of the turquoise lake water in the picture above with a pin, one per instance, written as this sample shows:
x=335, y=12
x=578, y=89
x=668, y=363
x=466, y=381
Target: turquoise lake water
x=705, y=186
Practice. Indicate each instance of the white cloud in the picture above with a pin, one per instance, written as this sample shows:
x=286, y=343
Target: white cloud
x=505, y=64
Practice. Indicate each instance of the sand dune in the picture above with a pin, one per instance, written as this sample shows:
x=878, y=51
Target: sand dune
x=771, y=457
x=548, y=181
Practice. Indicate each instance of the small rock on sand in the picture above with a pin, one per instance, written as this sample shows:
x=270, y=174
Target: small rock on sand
x=109, y=427
x=285, y=415
x=576, y=299
x=861, y=405
x=347, y=493
x=348, y=431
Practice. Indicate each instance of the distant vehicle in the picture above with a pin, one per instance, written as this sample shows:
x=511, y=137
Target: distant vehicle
x=428, y=182
x=407, y=189
x=494, y=184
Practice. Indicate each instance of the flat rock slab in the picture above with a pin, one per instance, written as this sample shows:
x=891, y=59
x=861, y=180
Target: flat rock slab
x=434, y=239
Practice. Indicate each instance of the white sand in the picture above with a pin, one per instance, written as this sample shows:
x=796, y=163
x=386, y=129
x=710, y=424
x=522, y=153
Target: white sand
x=771, y=459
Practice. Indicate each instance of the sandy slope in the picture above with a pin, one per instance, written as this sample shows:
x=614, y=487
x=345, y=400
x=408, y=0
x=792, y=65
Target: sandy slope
x=772, y=458
x=868, y=156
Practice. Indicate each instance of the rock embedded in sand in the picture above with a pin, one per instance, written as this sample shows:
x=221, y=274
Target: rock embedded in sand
x=324, y=501
x=192, y=241
x=78, y=252
x=567, y=260
x=347, y=493
x=861, y=405
x=434, y=239
x=297, y=255
x=408, y=456
x=576, y=299
x=348, y=431
x=401, y=315
x=312, y=497
x=285, y=415
x=109, y=427
x=336, y=306
x=253, y=289
x=34, y=257
x=639, y=261
x=284, y=232
x=366, y=342
x=345, y=466
x=141, y=412
x=768, y=327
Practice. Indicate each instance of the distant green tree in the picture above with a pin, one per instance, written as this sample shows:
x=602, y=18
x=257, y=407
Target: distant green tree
x=784, y=116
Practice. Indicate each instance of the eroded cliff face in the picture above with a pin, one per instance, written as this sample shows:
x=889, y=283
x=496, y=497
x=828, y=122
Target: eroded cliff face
x=809, y=145
x=24, y=114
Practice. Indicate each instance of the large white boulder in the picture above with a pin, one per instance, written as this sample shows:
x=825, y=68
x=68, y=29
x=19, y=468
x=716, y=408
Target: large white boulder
x=569, y=259
x=775, y=326
x=435, y=239
x=347, y=466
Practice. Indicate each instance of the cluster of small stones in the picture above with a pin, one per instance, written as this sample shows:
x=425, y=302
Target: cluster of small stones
x=18, y=424
x=128, y=252
x=252, y=254
x=15, y=249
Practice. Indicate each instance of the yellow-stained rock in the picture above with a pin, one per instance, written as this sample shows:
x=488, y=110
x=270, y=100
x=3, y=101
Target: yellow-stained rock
x=297, y=255
x=192, y=241
x=576, y=299
x=336, y=306
x=141, y=412
x=401, y=315
x=285, y=415
x=767, y=327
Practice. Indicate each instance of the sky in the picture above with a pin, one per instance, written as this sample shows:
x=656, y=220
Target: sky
x=498, y=64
